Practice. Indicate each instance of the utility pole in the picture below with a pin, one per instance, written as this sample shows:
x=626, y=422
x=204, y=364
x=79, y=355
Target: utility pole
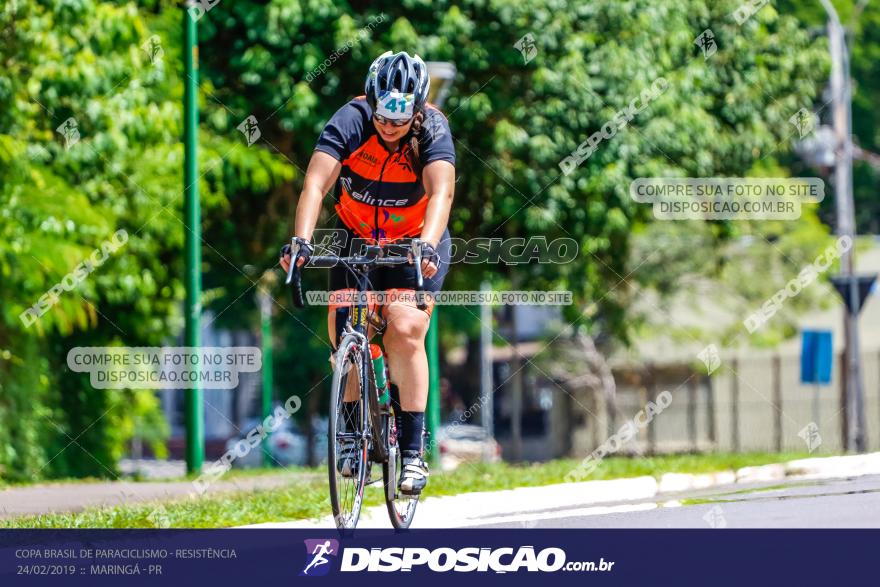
x=195, y=417
x=841, y=97
x=432, y=413
x=442, y=74
x=486, y=404
x=264, y=300
x=516, y=388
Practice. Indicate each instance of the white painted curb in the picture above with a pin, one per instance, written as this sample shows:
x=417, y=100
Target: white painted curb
x=773, y=472
x=526, y=504
x=453, y=511
x=830, y=467
x=670, y=482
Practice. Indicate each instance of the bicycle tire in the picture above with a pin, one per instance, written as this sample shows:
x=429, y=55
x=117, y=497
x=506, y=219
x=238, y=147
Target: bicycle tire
x=401, y=508
x=349, y=360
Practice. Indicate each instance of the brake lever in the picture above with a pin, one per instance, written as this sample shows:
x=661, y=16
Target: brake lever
x=294, y=277
x=420, y=281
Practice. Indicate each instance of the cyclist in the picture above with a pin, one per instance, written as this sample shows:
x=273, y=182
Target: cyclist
x=389, y=156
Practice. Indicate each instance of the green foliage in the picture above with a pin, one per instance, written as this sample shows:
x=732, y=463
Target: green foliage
x=61, y=200
x=704, y=297
x=862, y=22
x=291, y=64
x=514, y=121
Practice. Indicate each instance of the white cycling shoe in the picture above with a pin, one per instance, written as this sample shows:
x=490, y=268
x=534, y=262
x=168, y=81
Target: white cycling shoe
x=414, y=475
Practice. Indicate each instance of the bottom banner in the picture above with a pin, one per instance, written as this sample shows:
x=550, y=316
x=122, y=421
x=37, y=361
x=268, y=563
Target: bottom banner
x=601, y=557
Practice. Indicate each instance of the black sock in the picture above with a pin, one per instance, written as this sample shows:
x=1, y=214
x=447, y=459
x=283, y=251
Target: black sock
x=395, y=405
x=412, y=431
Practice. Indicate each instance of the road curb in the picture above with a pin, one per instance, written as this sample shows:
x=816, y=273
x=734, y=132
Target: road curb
x=773, y=472
x=477, y=506
x=524, y=504
x=670, y=482
x=830, y=467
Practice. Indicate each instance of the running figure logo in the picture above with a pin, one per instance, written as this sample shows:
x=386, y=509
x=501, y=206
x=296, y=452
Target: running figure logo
x=706, y=42
x=250, y=130
x=317, y=551
x=527, y=47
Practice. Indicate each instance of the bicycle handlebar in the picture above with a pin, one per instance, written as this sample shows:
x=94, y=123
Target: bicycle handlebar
x=327, y=261
x=371, y=259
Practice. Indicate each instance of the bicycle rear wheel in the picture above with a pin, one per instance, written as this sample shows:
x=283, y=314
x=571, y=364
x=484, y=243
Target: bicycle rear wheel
x=346, y=436
x=401, y=508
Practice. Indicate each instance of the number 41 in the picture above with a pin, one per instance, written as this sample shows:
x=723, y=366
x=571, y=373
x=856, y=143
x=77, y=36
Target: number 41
x=392, y=104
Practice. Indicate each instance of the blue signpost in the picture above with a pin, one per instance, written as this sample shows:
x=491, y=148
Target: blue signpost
x=816, y=360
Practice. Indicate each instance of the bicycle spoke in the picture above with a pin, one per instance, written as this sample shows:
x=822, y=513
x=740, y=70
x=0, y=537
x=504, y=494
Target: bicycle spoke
x=402, y=507
x=347, y=463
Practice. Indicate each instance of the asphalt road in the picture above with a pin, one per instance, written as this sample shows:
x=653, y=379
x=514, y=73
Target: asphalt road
x=835, y=503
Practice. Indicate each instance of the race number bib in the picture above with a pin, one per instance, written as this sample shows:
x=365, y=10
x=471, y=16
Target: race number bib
x=396, y=106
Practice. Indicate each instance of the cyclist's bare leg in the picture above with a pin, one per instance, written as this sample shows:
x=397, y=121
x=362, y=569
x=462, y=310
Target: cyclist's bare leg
x=405, y=343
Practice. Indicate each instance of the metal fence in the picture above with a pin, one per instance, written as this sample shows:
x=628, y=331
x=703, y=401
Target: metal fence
x=750, y=404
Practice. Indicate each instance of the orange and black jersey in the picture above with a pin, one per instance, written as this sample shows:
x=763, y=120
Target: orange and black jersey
x=378, y=194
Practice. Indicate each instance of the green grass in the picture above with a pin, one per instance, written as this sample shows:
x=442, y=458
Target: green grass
x=231, y=475
x=307, y=497
x=238, y=473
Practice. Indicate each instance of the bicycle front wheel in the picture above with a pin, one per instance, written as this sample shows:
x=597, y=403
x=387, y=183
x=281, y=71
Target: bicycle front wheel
x=347, y=440
x=401, y=508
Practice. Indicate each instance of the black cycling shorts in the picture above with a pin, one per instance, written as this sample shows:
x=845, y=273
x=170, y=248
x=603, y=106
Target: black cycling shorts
x=393, y=277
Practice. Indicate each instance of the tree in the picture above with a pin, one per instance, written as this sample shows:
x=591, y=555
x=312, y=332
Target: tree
x=89, y=105
x=862, y=21
x=90, y=147
x=516, y=115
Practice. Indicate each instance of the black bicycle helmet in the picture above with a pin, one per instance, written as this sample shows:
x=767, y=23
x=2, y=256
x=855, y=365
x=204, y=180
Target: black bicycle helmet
x=397, y=74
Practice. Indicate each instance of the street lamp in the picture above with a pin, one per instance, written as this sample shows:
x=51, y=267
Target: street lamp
x=194, y=407
x=817, y=149
x=841, y=97
x=442, y=74
x=264, y=302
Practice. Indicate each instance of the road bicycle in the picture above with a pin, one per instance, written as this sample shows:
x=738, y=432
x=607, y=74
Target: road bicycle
x=368, y=428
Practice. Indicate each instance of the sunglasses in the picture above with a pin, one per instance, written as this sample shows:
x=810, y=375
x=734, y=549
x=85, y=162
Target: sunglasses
x=382, y=120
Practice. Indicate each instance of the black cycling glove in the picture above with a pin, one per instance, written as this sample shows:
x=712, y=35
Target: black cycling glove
x=430, y=254
x=305, y=249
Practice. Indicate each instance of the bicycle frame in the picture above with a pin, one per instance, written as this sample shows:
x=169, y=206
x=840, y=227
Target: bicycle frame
x=375, y=436
x=357, y=323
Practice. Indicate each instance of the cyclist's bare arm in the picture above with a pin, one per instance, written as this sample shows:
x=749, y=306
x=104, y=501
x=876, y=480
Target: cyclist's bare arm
x=320, y=177
x=439, y=180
